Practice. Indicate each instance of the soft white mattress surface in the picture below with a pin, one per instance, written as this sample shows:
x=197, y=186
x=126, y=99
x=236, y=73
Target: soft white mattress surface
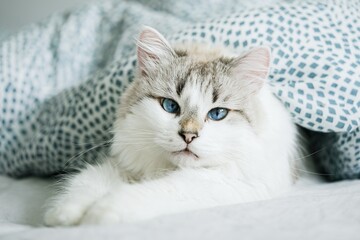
x=313, y=210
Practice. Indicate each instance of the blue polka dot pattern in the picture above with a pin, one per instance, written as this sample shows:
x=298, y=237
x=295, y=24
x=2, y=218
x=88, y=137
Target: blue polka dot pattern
x=61, y=80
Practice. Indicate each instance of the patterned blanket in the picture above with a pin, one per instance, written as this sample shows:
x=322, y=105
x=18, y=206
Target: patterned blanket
x=60, y=80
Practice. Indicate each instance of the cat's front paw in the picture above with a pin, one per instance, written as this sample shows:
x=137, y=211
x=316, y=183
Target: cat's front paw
x=101, y=213
x=112, y=210
x=64, y=215
x=100, y=216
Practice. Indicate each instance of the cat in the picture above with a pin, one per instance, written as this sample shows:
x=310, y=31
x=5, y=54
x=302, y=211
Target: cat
x=198, y=128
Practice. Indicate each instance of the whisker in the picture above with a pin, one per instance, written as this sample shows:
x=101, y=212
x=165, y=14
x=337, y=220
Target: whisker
x=84, y=152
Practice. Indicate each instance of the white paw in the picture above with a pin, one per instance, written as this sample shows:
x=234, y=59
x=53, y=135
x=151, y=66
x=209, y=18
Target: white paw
x=64, y=215
x=101, y=213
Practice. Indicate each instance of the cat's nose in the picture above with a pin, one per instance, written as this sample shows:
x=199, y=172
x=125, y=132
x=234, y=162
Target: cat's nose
x=188, y=136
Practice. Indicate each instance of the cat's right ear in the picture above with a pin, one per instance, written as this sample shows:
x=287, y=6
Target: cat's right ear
x=152, y=48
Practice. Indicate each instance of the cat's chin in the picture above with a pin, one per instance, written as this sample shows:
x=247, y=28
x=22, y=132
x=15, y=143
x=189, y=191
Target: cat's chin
x=184, y=158
x=188, y=159
x=185, y=153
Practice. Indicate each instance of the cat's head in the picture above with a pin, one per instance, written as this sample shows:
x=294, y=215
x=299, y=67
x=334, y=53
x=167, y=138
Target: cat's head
x=194, y=105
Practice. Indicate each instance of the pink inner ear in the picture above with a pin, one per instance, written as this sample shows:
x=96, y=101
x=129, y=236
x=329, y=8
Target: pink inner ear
x=152, y=48
x=146, y=37
x=143, y=55
x=257, y=62
x=252, y=68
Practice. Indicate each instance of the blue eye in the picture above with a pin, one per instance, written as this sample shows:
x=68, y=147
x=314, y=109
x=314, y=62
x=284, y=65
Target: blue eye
x=170, y=105
x=217, y=113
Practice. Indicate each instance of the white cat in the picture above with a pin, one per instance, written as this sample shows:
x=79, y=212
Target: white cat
x=198, y=128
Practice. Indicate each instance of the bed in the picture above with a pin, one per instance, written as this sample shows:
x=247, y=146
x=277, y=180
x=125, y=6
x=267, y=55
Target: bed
x=313, y=210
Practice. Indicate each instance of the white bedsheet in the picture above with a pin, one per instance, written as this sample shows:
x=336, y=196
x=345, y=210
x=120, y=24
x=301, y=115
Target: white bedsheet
x=313, y=210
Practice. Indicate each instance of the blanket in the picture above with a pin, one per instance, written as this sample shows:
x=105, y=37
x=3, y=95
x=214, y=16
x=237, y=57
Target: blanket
x=61, y=79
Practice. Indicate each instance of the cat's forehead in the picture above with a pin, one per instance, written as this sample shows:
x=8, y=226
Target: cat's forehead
x=199, y=83
x=201, y=76
x=201, y=66
x=196, y=78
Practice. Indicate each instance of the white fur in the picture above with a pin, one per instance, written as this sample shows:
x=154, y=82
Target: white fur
x=258, y=169
x=142, y=178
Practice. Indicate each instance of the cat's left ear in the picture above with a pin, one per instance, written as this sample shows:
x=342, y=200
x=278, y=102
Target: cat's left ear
x=152, y=48
x=252, y=68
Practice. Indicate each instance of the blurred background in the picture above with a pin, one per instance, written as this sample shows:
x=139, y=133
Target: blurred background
x=16, y=13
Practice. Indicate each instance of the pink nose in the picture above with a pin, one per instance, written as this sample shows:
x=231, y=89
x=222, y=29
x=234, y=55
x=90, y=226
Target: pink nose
x=188, y=136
